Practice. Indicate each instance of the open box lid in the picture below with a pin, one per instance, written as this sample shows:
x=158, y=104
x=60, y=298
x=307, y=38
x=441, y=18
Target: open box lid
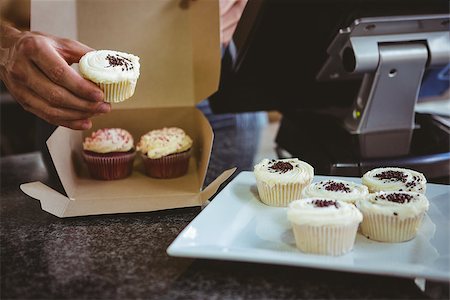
x=178, y=43
x=179, y=49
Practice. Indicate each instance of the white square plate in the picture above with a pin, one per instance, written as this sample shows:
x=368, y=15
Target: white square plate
x=237, y=226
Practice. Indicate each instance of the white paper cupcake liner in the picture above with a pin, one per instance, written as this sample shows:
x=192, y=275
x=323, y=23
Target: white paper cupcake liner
x=280, y=194
x=390, y=229
x=325, y=240
x=117, y=92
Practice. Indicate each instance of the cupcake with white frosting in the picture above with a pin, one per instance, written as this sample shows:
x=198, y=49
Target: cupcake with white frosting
x=282, y=181
x=109, y=153
x=394, y=179
x=116, y=73
x=392, y=216
x=324, y=226
x=165, y=152
x=336, y=189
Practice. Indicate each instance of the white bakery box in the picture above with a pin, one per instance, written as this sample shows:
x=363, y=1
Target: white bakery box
x=178, y=45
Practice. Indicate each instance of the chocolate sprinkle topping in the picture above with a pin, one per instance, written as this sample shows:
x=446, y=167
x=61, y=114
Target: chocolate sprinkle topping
x=336, y=186
x=281, y=167
x=325, y=203
x=397, y=197
x=118, y=60
x=392, y=175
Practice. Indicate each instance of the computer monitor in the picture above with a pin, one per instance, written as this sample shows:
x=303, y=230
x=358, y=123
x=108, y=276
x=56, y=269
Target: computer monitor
x=280, y=47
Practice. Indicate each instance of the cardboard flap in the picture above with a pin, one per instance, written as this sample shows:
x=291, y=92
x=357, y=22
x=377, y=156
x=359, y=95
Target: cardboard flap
x=205, y=48
x=212, y=188
x=61, y=12
x=51, y=201
x=178, y=45
x=63, y=146
x=206, y=143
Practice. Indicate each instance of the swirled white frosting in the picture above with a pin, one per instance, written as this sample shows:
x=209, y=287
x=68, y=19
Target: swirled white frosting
x=162, y=142
x=336, y=189
x=267, y=172
x=394, y=179
x=307, y=211
x=108, y=66
x=109, y=140
x=400, y=204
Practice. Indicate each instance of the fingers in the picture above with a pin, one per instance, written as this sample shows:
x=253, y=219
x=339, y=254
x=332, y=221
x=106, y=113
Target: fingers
x=58, y=96
x=35, y=104
x=57, y=70
x=71, y=50
x=39, y=77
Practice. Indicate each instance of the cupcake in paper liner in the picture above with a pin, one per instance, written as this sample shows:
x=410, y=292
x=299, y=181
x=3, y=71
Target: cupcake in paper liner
x=116, y=73
x=282, y=181
x=165, y=152
x=392, y=216
x=324, y=226
x=336, y=189
x=394, y=179
x=109, y=154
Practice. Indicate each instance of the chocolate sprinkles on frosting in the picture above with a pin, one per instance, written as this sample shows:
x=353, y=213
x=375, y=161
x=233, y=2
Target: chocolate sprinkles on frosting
x=336, y=186
x=399, y=176
x=397, y=197
x=281, y=167
x=392, y=175
x=118, y=60
x=325, y=203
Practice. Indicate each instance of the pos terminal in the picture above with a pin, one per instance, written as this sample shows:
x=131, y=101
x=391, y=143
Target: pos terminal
x=346, y=75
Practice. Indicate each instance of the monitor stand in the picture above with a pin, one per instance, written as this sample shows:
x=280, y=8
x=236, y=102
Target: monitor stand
x=381, y=128
x=391, y=53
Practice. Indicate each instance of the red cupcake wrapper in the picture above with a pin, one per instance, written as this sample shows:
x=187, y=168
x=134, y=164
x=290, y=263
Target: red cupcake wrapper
x=109, y=167
x=171, y=166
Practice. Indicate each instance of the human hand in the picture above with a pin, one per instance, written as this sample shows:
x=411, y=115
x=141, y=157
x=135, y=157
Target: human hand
x=35, y=69
x=230, y=13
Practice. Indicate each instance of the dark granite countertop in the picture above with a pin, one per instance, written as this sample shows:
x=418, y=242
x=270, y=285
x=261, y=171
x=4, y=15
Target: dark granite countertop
x=124, y=257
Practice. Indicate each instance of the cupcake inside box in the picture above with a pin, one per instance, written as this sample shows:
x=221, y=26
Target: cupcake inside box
x=138, y=192
x=80, y=186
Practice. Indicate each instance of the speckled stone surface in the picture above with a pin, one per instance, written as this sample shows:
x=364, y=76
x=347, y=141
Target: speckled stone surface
x=124, y=257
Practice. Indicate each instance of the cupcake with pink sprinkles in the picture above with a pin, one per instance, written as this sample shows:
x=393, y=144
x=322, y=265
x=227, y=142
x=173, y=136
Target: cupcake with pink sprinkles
x=109, y=153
